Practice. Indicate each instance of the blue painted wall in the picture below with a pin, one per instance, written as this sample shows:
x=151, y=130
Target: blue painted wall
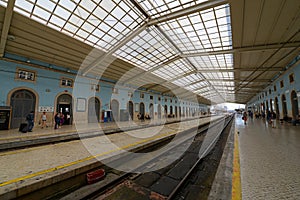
x=47, y=87
x=265, y=96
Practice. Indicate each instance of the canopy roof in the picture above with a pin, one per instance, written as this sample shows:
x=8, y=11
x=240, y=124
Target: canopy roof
x=222, y=51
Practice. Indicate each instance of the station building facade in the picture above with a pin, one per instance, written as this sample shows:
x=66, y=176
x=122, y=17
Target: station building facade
x=40, y=87
x=282, y=96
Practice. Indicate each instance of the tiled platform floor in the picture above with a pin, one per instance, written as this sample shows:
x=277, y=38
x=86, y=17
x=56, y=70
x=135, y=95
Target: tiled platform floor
x=269, y=160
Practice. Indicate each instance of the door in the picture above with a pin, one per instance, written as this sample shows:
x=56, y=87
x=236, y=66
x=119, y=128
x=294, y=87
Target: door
x=142, y=109
x=151, y=109
x=179, y=111
x=159, y=111
x=130, y=109
x=22, y=102
x=284, y=108
x=295, y=109
x=94, y=110
x=277, y=108
x=115, y=110
x=64, y=106
x=166, y=111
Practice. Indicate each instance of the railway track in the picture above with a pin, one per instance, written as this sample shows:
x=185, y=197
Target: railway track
x=76, y=135
x=171, y=182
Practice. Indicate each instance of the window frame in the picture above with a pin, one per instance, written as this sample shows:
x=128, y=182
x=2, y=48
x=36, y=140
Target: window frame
x=17, y=76
x=66, y=79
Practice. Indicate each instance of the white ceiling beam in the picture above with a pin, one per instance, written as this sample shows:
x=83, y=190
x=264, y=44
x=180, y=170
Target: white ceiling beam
x=244, y=49
x=241, y=69
x=6, y=25
x=239, y=80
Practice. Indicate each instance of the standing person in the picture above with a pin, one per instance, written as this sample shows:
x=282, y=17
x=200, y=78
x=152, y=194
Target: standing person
x=273, y=118
x=245, y=117
x=62, y=118
x=263, y=115
x=57, y=120
x=268, y=116
x=30, y=121
x=44, y=119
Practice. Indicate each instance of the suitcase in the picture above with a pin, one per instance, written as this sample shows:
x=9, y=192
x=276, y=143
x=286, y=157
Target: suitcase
x=95, y=176
x=23, y=127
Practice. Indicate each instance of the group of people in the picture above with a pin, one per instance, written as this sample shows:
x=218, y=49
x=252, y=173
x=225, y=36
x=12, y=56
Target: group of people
x=59, y=119
x=142, y=117
x=271, y=117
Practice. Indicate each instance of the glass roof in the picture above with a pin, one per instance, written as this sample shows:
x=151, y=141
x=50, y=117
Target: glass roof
x=147, y=50
x=99, y=23
x=199, y=32
x=105, y=24
x=173, y=69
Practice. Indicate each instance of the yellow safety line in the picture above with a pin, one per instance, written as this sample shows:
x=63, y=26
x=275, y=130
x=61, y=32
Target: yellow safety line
x=84, y=159
x=236, y=176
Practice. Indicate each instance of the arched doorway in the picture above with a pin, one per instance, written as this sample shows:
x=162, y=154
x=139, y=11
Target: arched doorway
x=159, y=111
x=284, y=108
x=179, y=111
x=166, y=111
x=295, y=108
x=151, y=109
x=277, y=108
x=142, y=108
x=130, y=110
x=94, y=110
x=22, y=102
x=176, y=112
x=114, y=106
x=64, y=105
x=171, y=110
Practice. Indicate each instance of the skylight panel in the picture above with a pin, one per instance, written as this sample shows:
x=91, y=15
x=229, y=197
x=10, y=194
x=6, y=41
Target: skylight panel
x=62, y=12
x=43, y=14
x=100, y=13
x=67, y=4
x=57, y=20
x=3, y=3
x=88, y=5
x=81, y=12
x=207, y=14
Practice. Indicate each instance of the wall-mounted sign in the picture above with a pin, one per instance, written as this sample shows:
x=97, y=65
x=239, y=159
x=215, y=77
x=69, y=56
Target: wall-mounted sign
x=81, y=103
x=46, y=109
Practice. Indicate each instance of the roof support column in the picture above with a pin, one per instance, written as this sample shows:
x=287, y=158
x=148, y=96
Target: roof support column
x=6, y=24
